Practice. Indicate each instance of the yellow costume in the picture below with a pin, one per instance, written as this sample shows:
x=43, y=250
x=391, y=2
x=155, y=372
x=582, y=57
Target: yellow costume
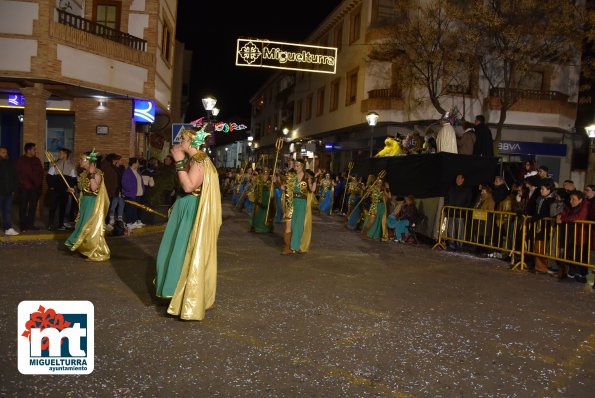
x=391, y=148
x=195, y=291
x=88, y=236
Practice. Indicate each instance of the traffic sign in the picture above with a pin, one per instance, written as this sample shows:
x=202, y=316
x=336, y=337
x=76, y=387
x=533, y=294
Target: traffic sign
x=175, y=131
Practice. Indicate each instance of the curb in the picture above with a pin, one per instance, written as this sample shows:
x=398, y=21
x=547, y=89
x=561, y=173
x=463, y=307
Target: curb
x=63, y=235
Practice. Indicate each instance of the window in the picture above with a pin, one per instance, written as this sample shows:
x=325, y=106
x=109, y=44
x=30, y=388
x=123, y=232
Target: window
x=166, y=43
x=320, y=101
x=530, y=80
x=107, y=13
x=334, y=100
x=338, y=38
x=460, y=79
x=308, y=112
x=298, y=111
x=351, y=89
x=355, y=26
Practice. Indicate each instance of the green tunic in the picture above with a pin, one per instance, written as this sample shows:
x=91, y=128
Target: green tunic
x=174, y=243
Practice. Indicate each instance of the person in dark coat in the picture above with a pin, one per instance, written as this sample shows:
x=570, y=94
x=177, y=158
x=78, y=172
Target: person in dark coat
x=459, y=195
x=30, y=174
x=484, y=143
x=8, y=186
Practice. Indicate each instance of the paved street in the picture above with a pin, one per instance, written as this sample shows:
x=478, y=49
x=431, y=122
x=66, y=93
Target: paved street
x=351, y=318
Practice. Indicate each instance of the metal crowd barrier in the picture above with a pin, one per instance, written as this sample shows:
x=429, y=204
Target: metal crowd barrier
x=517, y=236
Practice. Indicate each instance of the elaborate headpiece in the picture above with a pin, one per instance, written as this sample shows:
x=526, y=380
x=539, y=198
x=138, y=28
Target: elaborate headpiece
x=453, y=116
x=91, y=157
x=198, y=137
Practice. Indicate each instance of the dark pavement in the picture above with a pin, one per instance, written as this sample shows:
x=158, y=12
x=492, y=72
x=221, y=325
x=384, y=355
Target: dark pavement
x=351, y=318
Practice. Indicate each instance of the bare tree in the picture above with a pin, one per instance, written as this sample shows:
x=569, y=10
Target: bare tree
x=423, y=42
x=511, y=37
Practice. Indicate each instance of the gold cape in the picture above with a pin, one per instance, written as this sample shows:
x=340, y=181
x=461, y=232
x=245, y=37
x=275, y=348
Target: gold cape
x=91, y=241
x=195, y=291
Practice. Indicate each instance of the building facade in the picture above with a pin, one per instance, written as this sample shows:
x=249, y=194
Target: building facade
x=326, y=113
x=72, y=72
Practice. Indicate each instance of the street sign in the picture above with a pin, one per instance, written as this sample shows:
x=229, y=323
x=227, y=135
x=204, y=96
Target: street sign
x=175, y=131
x=282, y=55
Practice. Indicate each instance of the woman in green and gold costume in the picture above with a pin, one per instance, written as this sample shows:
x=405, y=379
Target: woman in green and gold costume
x=299, y=190
x=375, y=224
x=187, y=258
x=88, y=237
x=259, y=222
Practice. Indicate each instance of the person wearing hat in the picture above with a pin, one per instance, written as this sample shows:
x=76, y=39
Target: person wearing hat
x=186, y=269
x=88, y=237
x=446, y=140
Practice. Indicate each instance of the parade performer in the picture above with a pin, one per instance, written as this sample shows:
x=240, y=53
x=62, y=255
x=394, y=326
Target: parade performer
x=278, y=183
x=356, y=189
x=327, y=193
x=88, y=237
x=242, y=194
x=237, y=183
x=299, y=190
x=187, y=258
x=375, y=225
x=260, y=222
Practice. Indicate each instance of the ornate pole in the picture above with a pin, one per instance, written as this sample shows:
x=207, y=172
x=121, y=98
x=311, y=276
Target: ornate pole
x=53, y=162
x=147, y=208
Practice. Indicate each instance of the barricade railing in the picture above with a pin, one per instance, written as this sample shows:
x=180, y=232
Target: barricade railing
x=569, y=243
x=496, y=230
x=518, y=236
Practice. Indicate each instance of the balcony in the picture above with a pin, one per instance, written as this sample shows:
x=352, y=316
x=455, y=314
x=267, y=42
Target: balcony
x=88, y=26
x=536, y=101
x=531, y=94
x=385, y=98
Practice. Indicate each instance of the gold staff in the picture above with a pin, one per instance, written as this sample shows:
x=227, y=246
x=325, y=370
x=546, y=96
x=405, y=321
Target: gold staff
x=53, y=162
x=278, y=146
x=382, y=174
x=147, y=208
x=349, y=168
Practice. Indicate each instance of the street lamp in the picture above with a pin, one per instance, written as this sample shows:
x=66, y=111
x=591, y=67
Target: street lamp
x=285, y=131
x=372, y=118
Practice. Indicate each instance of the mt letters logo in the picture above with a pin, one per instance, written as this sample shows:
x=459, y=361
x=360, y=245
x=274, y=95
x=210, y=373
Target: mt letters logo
x=56, y=337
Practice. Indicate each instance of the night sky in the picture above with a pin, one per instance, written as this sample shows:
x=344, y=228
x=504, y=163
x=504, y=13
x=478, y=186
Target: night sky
x=211, y=29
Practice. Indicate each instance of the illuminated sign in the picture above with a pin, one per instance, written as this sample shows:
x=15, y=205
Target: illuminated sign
x=16, y=100
x=280, y=55
x=144, y=111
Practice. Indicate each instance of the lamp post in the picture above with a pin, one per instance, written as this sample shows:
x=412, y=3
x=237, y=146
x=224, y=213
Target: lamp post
x=372, y=118
x=591, y=160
